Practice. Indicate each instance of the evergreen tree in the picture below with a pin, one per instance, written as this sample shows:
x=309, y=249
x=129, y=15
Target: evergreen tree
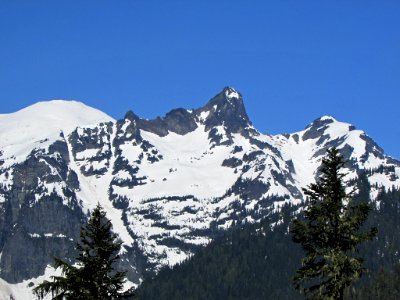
x=94, y=276
x=330, y=234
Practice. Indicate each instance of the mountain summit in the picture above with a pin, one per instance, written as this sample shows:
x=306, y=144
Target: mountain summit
x=168, y=184
x=225, y=109
x=36, y=125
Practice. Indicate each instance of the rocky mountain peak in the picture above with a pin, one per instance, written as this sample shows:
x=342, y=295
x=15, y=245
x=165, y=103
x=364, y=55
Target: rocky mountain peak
x=231, y=93
x=167, y=183
x=355, y=145
x=225, y=109
x=178, y=120
x=321, y=122
x=318, y=127
x=131, y=116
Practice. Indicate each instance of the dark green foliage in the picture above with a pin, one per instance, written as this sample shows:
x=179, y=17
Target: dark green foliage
x=253, y=262
x=273, y=263
x=383, y=253
x=94, y=276
x=386, y=216
x=259, y=263
x=383, y=286
x=330, y=234
x=61, y=287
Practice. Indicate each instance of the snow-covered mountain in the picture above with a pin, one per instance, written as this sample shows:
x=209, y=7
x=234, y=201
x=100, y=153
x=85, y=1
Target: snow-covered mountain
x=167, y=184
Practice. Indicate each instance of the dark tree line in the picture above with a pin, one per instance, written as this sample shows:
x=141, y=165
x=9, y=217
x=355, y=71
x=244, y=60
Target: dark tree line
x=259, y=262
x=253, y=262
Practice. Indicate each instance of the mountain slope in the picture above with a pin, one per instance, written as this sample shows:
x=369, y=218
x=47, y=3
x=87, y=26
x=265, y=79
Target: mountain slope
x=168, y=185
x=42, y=123
x=307, y=147
x=259, y=262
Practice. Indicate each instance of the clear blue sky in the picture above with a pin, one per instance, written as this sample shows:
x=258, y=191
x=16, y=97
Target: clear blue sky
x=293, y=61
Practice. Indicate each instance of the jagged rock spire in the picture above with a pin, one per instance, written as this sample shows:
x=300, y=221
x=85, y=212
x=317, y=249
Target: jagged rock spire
x=226, y=109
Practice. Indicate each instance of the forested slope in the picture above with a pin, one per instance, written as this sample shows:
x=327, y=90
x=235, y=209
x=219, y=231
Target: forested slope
x=258, y=261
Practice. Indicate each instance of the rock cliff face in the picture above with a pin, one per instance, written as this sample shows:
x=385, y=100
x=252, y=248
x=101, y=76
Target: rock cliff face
x=166, y=184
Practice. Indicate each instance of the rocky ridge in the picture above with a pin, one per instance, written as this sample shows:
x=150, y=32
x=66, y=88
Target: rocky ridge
x=168, y=185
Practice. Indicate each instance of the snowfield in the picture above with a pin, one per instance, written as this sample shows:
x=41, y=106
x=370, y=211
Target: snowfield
x=163, y=192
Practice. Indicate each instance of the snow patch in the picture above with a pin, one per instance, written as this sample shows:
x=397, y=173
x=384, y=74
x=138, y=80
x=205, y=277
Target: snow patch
x=327, y=118
x=232, y=94
x=204, y=115
x=39, y=125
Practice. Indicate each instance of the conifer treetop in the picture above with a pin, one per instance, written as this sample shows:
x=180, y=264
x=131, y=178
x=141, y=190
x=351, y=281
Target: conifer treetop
x=330, y=234
x=94, y=275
